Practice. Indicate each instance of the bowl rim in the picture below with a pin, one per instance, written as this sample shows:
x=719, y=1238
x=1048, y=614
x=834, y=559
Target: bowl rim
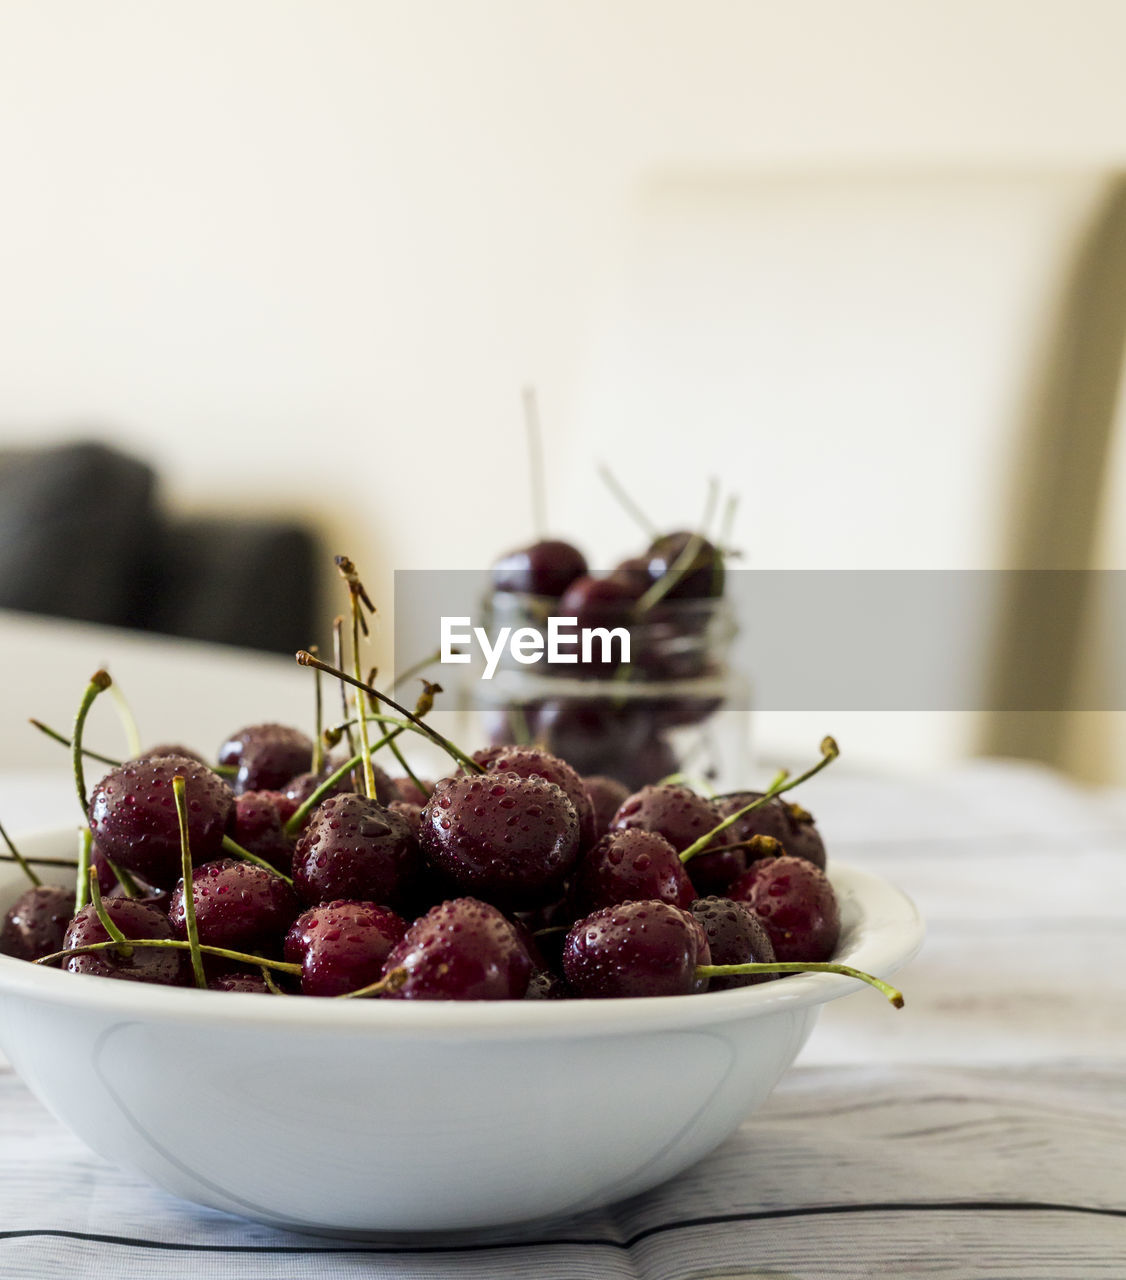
x=883, y=931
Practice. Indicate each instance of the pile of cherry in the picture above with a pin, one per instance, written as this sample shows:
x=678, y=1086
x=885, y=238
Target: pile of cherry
x=667, y=598
x=514, y=878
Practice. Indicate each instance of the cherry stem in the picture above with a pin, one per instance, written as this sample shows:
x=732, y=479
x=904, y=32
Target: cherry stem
x=125, y=950
x=894, y=996
x=535, y=461
x=389, y=982
x=779, y=778
x=99, y=682
x=129, y=886
x=710, y=503
x=421, y=708
x=82, y=882
x=611, y=481
x=271, y=986
x=338, y=658
x=297, y=819
x=64, y=741
x=679, y=569
x=237, y=851
x=175, y=944
x=318, y=719
x=467, y=762
x=128, y=722
x=359, y=598
x=25, y=866
x=69, y=863
x=180, y=791
x=829, y=752
x=416, y=669
x=727, y=523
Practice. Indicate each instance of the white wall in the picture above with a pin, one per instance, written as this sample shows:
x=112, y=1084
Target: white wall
x=304, y=254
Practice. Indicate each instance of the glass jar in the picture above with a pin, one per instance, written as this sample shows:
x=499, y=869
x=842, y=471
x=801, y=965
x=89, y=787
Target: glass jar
x=676, y=708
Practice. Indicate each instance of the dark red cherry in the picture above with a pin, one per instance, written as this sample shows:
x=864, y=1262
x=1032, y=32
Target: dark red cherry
x=36, y=922
x=703, y=578
x=607, y=795
x=242, y=981
x=158, y=965
x=266, y=756
x=237, y=905
x=133, y=816
x=675, y=812
x=508, y=839
x=411, y=812
x=461, y=950
x=535, y=762
x=630, y=866
x=594, y=735
x=735, y=936
x=796, y=903
x=106, y=879
x=257, y=825
x=354, y=848
x=546, y=568
x=633, y=574
x=635, y=949
x=406, y=790
x=341, y=946
x=173, y=749
x=789, y=824
x=597, y=602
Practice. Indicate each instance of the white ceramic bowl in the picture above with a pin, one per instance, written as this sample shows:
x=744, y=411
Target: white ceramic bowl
x=352, y=1117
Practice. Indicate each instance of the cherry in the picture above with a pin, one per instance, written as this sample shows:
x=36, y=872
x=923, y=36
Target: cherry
x=355, y=848
x=594, y=735
x=301, y=787
x=461, y=950
x=629, y=866
x=411, y=812
x=735, y=936
x=535, y=762
x=598, y=602
x=703, y=575
x=797, y=905
x=546, y=568
x=173, y=749
x=242, y=981
x=607, y=796
x=36, y=922
x=633, y=573
x=257, y=825
x=341, y=946
x=133, y=816
x=510, y=839
x=673, y=811
x=266, y=756
x=159, y=965
x=789, y=824
x=107, y=881
x=237, y=905
x=407, y=790
x=635, y=949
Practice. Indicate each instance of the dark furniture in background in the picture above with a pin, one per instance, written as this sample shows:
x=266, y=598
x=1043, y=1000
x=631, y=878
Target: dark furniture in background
x=83, y=535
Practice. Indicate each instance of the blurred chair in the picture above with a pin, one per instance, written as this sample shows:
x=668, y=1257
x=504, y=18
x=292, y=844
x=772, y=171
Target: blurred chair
x=83, y=536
